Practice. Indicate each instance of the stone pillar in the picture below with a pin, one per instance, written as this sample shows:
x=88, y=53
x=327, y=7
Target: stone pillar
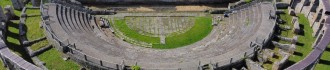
x=18, y=4
x=318, y=38
x=2, y=15
x=10, y=10
x=10, y=13
x=35, y=3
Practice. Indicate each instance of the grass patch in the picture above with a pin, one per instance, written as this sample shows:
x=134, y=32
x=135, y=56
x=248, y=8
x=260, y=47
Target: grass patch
x=248, y=1
x=123, y=27
x=33, y=30
x=324, y=62
x=305, y=40
x=54, y=61
x=4, y=3
x=288, y=19
x=1, y=64
x=202, y=27
x=135, y=67
x=277, y=57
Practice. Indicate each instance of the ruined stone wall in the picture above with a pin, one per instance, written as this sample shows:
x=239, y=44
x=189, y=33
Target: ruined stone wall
x=156, y=1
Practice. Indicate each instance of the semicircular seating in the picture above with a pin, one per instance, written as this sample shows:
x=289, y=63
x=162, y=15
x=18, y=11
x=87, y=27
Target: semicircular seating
x=79, y=35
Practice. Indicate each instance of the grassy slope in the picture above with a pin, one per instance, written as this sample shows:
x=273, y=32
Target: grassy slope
x=288, y=19
x=122, y=26
x=1, y=66
x=54, y=61
x=288, y=33
x=202, y=27
x=305, y=40
x=324, y=62
x=34, y=32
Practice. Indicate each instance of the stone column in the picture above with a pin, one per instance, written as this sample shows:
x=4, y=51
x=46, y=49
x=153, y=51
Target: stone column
x=10, y=10
x=10, y=13
x=318, y=38
x=35, y=3
x=18, y=4
x=2, y=15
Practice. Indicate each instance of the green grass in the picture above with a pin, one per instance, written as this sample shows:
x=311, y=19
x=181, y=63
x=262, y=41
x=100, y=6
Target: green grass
x=1, y=66
x=122, y=26
x=135, y=67
x=324, y=62
x=305, y=41
x=248, y=1
x=4, y=3
x=54, y=61
x=34, y=32
x=52, y=58
x=288, y=33
x=288, y=19
x=202, y=27
x=269, y=65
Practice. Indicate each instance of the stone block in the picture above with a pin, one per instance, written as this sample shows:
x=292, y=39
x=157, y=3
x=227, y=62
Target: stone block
x=291, y=12
x=282, y=5
x=253, y=65
x=2, y=15
x=18, y=4
x=35, y=3
x=296, y=27
x=10, y=10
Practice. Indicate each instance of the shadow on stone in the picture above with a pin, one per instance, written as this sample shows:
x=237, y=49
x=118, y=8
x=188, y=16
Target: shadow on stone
x=276, y=56
x=19, y=49
x=12, y=24
x=300, y=44
x=301, y=32
x=16, y=47
x=269, y=62
x=297, y=53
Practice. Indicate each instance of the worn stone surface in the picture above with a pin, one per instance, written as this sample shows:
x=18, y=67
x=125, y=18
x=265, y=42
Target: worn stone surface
x=10, y=10
x=267, y=53
x=287, y=47
x=2, y=15
x=18, y=4
x=292, y=40
x=253, y=65
x=35, y=3
x=285, y=27
x=230, y=39
x=279, y=64
x=296, y=27
x=282, y=5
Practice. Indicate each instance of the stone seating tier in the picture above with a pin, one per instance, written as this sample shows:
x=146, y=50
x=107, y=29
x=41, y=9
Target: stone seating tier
x=231, y=39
